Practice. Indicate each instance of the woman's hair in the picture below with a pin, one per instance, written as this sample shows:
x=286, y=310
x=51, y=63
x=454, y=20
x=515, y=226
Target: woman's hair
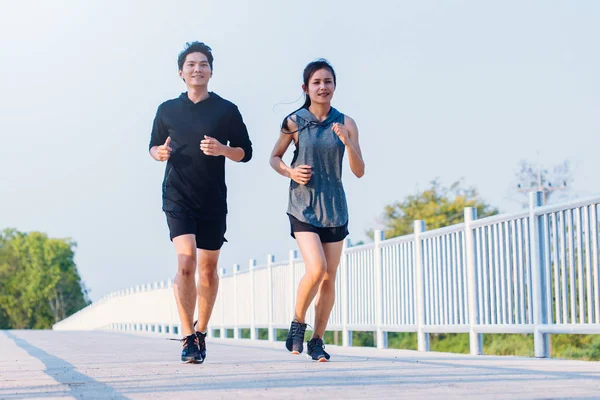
x=309, y=70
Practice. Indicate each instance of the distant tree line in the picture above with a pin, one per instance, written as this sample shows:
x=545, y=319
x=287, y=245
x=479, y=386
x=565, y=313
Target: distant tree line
x=39, y=281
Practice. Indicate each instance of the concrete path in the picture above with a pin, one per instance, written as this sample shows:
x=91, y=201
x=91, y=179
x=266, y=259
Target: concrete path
x=91, y=365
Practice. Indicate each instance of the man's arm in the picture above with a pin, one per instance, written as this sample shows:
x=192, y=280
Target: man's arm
x=240, y=146
x=239, y=141
x=159, y=139
x=212, y=147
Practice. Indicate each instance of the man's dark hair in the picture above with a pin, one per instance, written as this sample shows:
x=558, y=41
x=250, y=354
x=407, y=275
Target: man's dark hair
x=195, y=47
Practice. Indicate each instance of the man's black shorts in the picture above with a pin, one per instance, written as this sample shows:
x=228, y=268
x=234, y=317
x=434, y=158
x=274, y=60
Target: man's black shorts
x=327, y=235
x=210, y=233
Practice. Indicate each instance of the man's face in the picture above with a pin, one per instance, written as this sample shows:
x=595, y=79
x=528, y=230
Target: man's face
x=196, y=70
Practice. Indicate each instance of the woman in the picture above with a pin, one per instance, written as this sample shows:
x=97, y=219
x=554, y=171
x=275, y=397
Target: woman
x=317, y=206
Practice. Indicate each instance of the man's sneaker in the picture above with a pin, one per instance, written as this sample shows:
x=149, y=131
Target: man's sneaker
x=202, y=344
x=191, y=351
x=295, y=338
x=315, y=349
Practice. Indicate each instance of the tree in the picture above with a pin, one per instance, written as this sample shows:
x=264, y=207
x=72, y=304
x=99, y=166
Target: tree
x=39, y=282
x=438, y=206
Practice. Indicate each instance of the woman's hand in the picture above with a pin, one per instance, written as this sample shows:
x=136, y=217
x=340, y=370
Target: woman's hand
x=341, y=131
x=301, y=174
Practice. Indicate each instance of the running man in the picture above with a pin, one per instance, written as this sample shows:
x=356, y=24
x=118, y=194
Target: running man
x=194, y=134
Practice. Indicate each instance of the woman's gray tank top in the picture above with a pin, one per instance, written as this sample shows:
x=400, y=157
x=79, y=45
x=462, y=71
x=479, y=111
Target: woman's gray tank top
x=322, y=201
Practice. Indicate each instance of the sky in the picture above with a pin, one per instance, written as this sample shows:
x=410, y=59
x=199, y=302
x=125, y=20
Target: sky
x=439, y=89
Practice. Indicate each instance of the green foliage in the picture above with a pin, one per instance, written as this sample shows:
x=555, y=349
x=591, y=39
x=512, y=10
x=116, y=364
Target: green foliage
x=39, y=282
x=438, y=206
x=507, y=345
x=450, y=343
x=281, y=334
x=364, y=339
x=585, y=347
x=402, y=340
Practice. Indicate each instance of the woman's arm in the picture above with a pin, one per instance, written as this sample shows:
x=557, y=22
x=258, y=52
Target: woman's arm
x=348, y=134
x=302, y=173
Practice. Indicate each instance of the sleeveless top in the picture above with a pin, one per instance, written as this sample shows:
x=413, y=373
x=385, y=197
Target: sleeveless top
x=322, y=201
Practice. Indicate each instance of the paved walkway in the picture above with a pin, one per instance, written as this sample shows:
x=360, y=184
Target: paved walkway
x=90, y=365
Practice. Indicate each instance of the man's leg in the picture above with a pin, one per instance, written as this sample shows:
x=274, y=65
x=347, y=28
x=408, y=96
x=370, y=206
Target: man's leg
x=184, y=285
x=208, y=286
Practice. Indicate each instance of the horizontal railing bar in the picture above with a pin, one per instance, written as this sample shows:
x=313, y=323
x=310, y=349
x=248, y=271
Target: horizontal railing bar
x=495, y=219
x=585, y=329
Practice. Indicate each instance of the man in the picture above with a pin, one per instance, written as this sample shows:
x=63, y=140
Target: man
x=194, y=133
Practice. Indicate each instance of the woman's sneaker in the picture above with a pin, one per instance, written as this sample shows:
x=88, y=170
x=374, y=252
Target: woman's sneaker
x=191, y=351
x=295, y=338
x=202, y=344
x=315, y=349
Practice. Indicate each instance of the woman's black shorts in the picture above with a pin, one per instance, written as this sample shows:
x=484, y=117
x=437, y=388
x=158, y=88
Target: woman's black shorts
x=327, y=235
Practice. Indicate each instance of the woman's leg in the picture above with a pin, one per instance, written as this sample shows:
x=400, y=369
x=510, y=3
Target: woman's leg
x=326, y=292
x=316, y=267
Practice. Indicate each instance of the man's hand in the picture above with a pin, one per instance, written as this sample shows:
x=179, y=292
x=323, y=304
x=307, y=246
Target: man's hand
x=212, y=147
x=163, y=152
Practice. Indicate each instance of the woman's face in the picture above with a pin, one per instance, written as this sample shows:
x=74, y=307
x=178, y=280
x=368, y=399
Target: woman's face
x=320, y=86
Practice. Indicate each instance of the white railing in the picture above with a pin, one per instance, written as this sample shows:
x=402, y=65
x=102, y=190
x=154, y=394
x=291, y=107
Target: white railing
x=531, y=272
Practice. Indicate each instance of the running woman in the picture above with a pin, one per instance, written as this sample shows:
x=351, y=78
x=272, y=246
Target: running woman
x=317, y=207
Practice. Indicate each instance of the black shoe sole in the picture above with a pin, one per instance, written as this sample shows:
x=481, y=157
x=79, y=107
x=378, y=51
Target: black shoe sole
x=192, y=361
x=322, y=359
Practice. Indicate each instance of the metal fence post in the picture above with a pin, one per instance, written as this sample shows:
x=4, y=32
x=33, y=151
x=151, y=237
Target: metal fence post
x=382, y=336
x=541, y=341
x=422, y=336
x=346, y=333
x=223, y=331
x=292, y=271
x=475, y=339
x=270, y=329
x=253, y=330
x=236, y=328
